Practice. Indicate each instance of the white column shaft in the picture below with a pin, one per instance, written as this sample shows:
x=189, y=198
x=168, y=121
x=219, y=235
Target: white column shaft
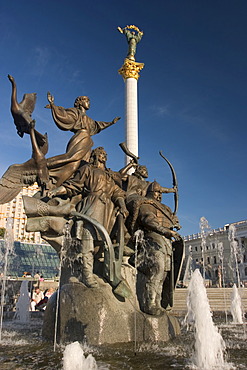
x=131, y=116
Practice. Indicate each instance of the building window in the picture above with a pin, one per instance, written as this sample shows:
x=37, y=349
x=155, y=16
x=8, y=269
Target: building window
x=215, y=260
x=213, y=245
x=208, y=259
x=196, y=249
x=245, y=271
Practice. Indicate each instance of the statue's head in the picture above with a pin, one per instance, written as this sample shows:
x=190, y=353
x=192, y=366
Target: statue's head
x=154, y=191
x=98, y=155
x=82, y=101
x=142, y=171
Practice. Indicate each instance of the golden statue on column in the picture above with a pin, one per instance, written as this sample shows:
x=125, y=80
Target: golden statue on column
x=131, y=68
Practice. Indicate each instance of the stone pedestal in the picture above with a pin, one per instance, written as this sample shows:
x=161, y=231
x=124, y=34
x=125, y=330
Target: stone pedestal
x=100, y=317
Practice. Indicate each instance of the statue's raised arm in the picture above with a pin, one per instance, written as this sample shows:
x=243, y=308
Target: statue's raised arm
x=75, y=119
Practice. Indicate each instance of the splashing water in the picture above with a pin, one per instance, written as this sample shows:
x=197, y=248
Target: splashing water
x=23, y=304
x=236, y=306
x=74, y=359
x=205, y=229
x=189, y=267
x=66, y=243
x=220, y=250
x=209, y=344
x=139, y=235
x=8, y=250
x=236, y=252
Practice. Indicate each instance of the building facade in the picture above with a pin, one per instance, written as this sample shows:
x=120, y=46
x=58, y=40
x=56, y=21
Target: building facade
x=15, y=210
x=220, y=254
x=31, y=258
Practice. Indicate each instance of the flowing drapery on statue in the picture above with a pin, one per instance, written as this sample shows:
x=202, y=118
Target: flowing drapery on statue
x=54, y=170
x=101, y=199
x=63, y=166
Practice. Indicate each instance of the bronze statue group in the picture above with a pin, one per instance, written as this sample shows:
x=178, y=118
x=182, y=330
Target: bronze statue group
x=103, y=210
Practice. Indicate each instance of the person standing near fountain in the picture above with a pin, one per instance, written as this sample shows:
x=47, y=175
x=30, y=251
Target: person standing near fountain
x=155, y=255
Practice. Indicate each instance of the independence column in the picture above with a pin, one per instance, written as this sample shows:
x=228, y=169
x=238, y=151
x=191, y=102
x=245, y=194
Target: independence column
x=130, y=72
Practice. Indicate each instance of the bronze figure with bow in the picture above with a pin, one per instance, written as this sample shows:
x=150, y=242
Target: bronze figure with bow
x=174, y=181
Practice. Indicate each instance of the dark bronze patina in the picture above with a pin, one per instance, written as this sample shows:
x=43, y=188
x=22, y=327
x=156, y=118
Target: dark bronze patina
x=63, y=166
x=101, y=209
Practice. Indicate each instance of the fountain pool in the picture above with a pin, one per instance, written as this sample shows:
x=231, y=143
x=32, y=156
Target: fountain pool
x=22, y=347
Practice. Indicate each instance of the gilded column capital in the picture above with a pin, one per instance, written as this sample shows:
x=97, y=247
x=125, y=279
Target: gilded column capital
x=130, y=69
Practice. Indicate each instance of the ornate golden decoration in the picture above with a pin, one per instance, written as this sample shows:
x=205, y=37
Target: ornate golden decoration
x=131, y=27
x=133, y=36
x=130, y=69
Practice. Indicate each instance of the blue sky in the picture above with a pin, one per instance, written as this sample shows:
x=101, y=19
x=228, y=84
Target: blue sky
x=192, y=91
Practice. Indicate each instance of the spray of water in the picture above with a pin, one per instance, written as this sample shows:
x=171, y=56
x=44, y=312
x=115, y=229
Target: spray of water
x=236, y=253
x=209, y=345
x=74, y=358
x=205, y=229
x=236, y=306
x=22, y=313
x=220, y=250
x=139, y=235
x=8, y=250
x=66, y=244
x=189, y=267
x=38, y=256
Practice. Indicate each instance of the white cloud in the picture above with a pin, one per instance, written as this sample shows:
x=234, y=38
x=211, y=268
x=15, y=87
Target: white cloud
x=161, y=110
x=42, y=56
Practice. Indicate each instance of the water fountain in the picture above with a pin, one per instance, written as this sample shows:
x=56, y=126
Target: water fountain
x=236, y=258
x=138, y=240
x=209, y=344
x=236, y=254
x=204, y=228
x=66, y=244
x=8, y=250
x=189, y=267
x=22, y=313
x=236, y=306
x=220, y=250
x=74, y=358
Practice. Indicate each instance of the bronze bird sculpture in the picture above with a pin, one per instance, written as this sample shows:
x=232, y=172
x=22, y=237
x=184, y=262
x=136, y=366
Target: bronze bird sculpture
x=22, y=112
x=35, y=169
